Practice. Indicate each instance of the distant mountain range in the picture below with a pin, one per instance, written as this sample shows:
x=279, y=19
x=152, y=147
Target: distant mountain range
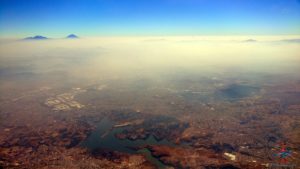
x=291, y=40
x=39, y=37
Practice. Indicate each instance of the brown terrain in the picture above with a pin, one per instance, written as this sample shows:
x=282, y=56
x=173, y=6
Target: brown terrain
x=44, y=127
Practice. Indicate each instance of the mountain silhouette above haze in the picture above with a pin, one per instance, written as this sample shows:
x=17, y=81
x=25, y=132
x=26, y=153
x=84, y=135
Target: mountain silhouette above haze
x=37, y=37
x=72, y=36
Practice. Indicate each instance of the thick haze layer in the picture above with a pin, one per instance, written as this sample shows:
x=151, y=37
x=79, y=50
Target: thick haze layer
x=94, y=58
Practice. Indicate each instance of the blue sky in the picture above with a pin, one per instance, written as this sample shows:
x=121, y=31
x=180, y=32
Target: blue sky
x=57, y=18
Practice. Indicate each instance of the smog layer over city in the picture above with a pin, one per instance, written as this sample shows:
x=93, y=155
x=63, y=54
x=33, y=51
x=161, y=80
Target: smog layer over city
x=136, y=94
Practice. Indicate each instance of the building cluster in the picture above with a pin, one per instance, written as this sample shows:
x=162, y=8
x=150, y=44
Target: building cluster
x=64, y=102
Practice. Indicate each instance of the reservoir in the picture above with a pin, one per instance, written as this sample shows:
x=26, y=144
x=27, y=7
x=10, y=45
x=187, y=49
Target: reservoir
x=104, y=137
